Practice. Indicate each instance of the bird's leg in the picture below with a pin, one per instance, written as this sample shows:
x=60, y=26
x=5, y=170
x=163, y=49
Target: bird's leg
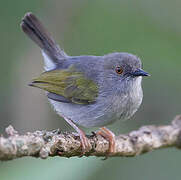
x=108, y=135
x=86, y=146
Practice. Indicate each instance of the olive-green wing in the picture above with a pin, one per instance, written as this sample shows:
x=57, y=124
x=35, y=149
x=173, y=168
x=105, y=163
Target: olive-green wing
x=69, y=83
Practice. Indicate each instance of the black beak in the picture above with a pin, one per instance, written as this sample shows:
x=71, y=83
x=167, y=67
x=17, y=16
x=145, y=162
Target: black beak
x=140, y=72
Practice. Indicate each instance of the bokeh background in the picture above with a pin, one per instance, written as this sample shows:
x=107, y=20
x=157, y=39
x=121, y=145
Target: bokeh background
x=149, y=29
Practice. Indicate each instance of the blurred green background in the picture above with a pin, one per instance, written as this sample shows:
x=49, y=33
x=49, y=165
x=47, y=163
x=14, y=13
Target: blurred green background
x=149, y=29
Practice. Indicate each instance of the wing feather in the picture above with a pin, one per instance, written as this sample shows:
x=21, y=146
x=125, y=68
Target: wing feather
x=70, y=84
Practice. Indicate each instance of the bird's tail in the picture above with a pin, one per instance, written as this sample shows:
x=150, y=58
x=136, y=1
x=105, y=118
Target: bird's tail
x=34, y=29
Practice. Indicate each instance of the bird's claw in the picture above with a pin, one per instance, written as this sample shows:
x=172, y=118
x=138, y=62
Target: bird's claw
x=109, y=136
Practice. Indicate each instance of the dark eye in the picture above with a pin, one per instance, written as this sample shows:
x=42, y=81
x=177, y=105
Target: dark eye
x=119, y=70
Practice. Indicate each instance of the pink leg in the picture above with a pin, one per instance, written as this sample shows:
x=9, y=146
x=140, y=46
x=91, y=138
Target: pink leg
x=86, y=147
x=110, y=136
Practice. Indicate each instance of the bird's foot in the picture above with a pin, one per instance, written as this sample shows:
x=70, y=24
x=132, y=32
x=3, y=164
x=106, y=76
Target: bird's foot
x=86, y=146
x=109, y=136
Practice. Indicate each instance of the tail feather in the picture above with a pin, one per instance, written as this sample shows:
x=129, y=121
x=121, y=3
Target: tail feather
x=34, y=29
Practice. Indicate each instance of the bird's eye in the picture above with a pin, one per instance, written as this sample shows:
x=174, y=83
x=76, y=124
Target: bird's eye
x=119, y=70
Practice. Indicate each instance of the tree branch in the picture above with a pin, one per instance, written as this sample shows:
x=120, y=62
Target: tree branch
x=54, y=143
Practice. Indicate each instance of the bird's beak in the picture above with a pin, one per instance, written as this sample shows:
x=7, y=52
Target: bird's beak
x=140, y=72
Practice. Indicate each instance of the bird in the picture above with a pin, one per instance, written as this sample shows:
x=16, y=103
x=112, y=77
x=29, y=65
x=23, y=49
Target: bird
x=87, y=90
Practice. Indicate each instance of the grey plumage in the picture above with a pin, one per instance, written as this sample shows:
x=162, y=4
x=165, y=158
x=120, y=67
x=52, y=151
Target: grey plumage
x=119, y=95
x=36, y=31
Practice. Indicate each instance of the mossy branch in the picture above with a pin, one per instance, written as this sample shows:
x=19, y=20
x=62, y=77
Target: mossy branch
x=44, y=144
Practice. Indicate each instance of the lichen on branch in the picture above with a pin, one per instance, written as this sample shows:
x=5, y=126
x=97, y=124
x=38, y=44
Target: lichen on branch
x=44, y=144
